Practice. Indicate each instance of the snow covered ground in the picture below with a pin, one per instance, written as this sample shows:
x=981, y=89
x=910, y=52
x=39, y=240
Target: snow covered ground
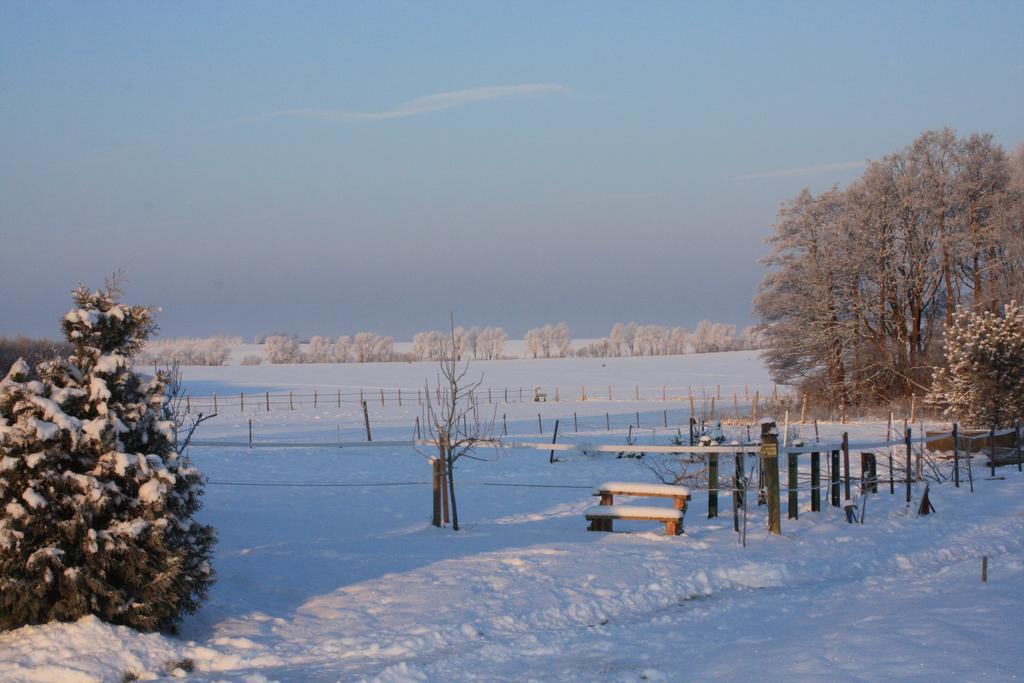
x=328, y=568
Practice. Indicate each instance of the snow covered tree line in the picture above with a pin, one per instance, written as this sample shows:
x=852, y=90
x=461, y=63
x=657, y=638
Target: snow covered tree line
x=548, y=341
x=485, y=344
x=97, y=503
x=187, y=351
x=631, y=339
x=863, y=280
x=364, y=347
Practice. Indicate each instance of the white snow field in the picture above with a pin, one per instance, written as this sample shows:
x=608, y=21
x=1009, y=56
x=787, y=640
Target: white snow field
x=329, y=570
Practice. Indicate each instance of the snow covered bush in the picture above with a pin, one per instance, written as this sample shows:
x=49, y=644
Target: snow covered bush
x=97, y=505
x=982, y=382
x=282, y=349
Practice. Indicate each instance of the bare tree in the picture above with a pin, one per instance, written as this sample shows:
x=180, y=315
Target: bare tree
x=183, y=424
x=453, y=421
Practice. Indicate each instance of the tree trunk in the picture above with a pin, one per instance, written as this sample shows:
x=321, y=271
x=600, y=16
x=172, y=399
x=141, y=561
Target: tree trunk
x=451, y=492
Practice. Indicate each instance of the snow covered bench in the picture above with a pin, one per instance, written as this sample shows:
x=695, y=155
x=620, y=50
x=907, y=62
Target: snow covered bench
x=601, y=516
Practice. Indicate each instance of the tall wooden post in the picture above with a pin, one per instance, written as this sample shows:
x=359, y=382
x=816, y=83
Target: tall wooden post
x=366, y=421
x=737, y=483
x=848, y=502
x=770, y=461
x=712, y=485
x=815, y=482
x=868, y=473
x=834, y=474
x=792, y=501
x=551, y=455
x=906, y=441
x=992, y=449
x=1016, y=433
x=956, y=455
x=846, y=465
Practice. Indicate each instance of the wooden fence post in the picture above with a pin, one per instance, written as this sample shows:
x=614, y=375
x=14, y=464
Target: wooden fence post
x=992, y=450
x=607, y=422
x=575, y=424
x=846, y=465
x=1016, y=433
x=316, y=396
x=712, y=485
x=241, y=402
x=382, y=397
x=366, y=421
x=913, y=407
x=956, y=455
x=737, y=483
x=540, y=425
x=803, y=411
x=868, y=473
x=834, y=474
x=906, y=442
x=551, y=455
x=215, y=408
x=815, y=482
x=770, y=462
x=291, y=404
x=609, y=392
x=793, y=501
x=504, y=425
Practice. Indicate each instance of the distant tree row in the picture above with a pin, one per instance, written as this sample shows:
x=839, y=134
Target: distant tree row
x=364, y=347
x=485, y=344
x=863, y=280
x=631, y=339
x=187, y=351
x=548, y=341
x=32, y=351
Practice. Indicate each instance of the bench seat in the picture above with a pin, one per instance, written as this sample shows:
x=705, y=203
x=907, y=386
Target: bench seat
x=601, y=516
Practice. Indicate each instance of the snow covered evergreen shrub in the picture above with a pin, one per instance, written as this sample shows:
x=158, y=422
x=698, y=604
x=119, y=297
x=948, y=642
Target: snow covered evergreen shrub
x=96, y=504
x=983, y=380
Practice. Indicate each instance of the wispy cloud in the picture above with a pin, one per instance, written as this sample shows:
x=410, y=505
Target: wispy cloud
x=423, y=105
x=803, y=170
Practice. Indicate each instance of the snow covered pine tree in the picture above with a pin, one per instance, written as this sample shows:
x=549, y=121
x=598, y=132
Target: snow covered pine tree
x=95, y=504
x=983, y=380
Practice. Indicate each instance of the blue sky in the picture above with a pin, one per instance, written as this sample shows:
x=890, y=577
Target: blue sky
x=332, y=167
